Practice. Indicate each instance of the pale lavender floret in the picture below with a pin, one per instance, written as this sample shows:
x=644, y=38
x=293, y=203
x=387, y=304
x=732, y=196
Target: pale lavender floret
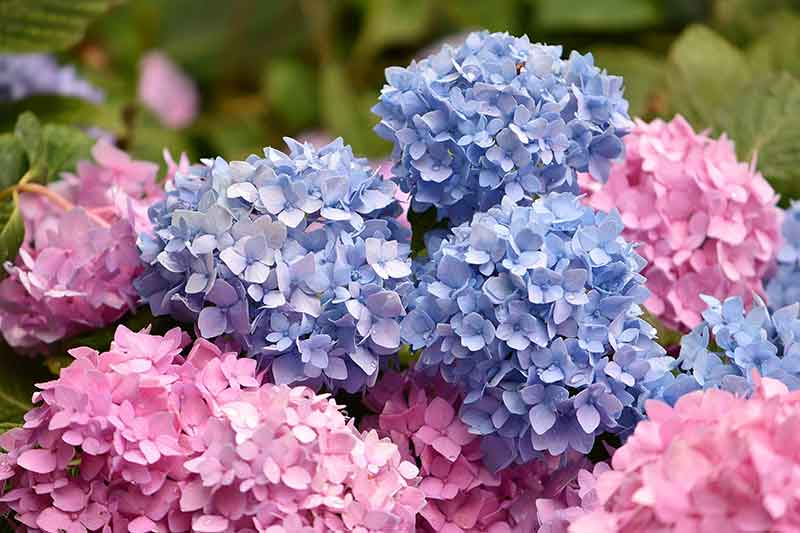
x=540, y=330
x=499, y=115
x=298, y=256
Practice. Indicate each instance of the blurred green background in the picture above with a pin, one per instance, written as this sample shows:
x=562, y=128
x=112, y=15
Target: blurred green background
x=271, y=68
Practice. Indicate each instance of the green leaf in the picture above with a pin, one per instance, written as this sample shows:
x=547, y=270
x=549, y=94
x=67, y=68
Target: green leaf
x=63, y=110
x=290, y=87
x=13, y=161
x=100, y=339
x=29, y=132
x=493, y=16
x=45, y=25
x=345, y=113
x=18, y=375
x=64, y=147
x=393, y=22
x=12, y=230
x=704, y=71
x=643, y=73
x=597, y=15
x=764, y=120
x=777, y=49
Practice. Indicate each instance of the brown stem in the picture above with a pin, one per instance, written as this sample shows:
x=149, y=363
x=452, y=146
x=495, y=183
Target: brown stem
x=58, y=200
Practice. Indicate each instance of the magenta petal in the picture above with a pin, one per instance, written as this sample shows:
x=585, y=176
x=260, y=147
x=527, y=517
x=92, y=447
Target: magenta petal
x=39, y=461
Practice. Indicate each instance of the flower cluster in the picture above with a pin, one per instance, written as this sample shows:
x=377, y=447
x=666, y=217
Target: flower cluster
x=141, y=439
x=76, y=267
x=768, y=342
x=783, y=285
x=708, y=224
x=533, y=312
x=418, y=413
x=299, y=257
x=499, y=115
x=24, y=75
x=714, y=462
x=167, y=91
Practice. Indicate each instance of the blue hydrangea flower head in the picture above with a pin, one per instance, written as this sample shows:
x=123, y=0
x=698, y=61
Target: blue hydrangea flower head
x=783, y=286
x=534, y=311
x=297, y=256
x=758, y=339
x=498, y=116
x=24, y=75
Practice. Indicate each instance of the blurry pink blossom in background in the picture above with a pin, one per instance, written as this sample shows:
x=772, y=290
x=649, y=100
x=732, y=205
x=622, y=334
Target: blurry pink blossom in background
x=76, y=267
x=167, y=91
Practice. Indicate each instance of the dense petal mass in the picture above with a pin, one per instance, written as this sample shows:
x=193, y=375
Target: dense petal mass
x=499, y=115
x=707, y=223
x=142, y=438
x=533, y=313
x=299, y=257
x=76, y=267
x=418, y=413
x=714, y=462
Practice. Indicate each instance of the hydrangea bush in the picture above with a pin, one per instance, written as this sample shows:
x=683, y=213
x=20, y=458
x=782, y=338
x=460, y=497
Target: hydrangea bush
x=298, y=256
x=490, y=377
x=141, y=438
x=533, y=312
x=76, y=267
x=707, y=223
x=499, y=115
x=714, y=462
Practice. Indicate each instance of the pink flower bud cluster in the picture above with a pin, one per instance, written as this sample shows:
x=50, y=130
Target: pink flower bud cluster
x=418, y=413
x=707, y=223
x=714, y=462
x=76, y=267
x=141, y=439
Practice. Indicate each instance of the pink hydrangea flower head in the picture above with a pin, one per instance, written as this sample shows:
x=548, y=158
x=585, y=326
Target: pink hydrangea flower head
x=143, y=438
x=77, y=264
x=714, y=462
x=167, y=91
x=418, y=413
x=707, y=223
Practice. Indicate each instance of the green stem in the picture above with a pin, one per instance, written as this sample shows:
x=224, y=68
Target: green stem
x=57, y=200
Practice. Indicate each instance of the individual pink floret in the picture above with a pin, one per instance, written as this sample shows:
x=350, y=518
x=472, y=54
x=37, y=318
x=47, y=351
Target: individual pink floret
x=707, y=223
